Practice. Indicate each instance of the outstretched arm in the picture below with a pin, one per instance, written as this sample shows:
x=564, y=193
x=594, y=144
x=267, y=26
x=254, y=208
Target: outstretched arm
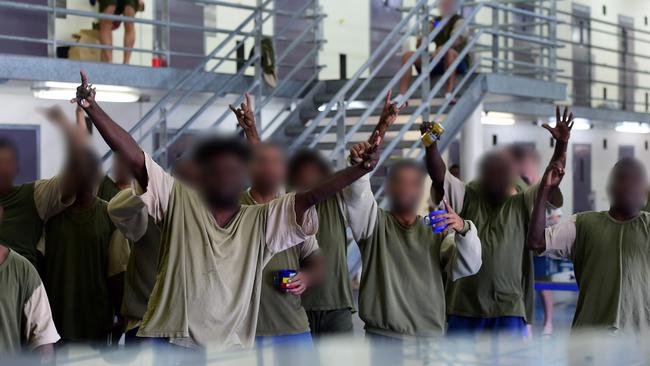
x=115, y=136
x=550, y=181
x=561, y=133
x=246, y=120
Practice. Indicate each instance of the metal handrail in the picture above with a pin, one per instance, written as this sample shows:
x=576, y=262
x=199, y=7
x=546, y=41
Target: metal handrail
x=357, y=75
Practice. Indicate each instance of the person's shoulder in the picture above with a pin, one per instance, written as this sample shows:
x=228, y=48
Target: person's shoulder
x=23, y=267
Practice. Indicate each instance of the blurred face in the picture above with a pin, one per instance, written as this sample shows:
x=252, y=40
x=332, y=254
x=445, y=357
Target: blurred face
x=268, y=168
x=121, y=172
x=87, y=171
x=308, y=176
x=495, y=177
x=222, y=179
x=8, y=167
x=447, y=7
x=628, y=189
x=405, y=189
x=530, y=169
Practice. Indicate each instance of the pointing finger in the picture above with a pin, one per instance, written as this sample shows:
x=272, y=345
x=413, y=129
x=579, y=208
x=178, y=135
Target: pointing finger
x=557, y=114
x=566, y=112
x=248, y=99
x=388, y=95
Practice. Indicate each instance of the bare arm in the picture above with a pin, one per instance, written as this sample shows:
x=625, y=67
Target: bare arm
x=561, y=133
x=115, y=136
x=552, y=177
x=246, y=120
x=435, y=165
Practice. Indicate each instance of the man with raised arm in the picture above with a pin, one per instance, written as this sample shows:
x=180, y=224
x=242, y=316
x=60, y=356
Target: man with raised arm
x=404, y=262
x=213, y=249
x=28, y=205
x=282, y=319
x=493, y=299
x=609, y=251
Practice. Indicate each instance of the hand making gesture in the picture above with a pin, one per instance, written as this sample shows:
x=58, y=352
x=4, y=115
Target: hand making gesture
x=388, y=115
x=85, y=92
x=246, y=119
x=562, y=130
x=366, y=153
x=451, y=219
x=553, y=175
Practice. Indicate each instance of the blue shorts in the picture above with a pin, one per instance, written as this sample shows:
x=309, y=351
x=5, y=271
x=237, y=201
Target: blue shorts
x=463, y=325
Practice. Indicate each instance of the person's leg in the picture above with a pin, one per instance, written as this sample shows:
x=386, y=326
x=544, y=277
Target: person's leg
x=336, y=322
x=511, y=326
x=129, y=33
x=463, y=325
x=106, y=29
x=406, y=78
x=450, y=57
x=547, y=303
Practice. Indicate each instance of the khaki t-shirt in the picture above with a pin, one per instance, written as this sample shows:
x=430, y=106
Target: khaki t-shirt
x=25, y=317
x=402, y=283
x=208, y=286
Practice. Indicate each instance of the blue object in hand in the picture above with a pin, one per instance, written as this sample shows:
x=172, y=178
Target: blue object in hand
x=431, y=221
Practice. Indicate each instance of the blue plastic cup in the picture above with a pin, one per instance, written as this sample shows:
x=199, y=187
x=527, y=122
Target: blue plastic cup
x=281, y=279
x=431, y=220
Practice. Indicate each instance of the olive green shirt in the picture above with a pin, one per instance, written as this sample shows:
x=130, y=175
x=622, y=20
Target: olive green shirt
x=107, y=189
x=404, y=268
x=528, y=265
x=334, y=291
x=498, y=289
x=82, y=249
x=209, y=280
x=25, y=317
x=281, y=313
x=26, y=207
x=611, y=264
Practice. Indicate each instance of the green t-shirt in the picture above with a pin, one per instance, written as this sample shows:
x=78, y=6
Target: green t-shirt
x=528, y=266
x=107, y=189
x=647, y=206
x=402, y=283
x=334, y=292
x=498, y=288
x=612, y=262
x=21, y=227
x=140, y=276
x=76, y=269
x=280, y=313
x=18, y=281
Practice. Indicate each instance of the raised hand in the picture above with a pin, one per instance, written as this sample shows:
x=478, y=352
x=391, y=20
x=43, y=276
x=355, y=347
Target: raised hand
x=451, y=218
x=388, y=114
x=563, y=125
x=553, y=175
x=85, y=92
x=246, y=119
x=366, y=153
x=54, y=114
x=425, y=127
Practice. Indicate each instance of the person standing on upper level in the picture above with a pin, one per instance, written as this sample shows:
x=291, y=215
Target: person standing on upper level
x=448, y=8
x=127, y=8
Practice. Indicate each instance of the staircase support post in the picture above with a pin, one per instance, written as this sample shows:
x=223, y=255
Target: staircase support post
x=425, y=21
x=340, y=135
x=471, y=143
x=495, y=40
x=258, y=63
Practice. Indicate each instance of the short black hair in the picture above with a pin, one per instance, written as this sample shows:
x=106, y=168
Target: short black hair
x=308, y=156
x=210, y=147
x=403, y=164
x=7, y=143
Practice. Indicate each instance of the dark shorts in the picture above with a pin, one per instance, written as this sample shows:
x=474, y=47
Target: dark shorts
x=119, y=5
x=332, y=322
x=439, y=69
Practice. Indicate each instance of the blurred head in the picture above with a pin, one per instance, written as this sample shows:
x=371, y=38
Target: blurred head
x=268, y=167
x=526, y=162
x=405, y=185
x=447, y=7
x=307, y=168
x=222, y=169
x=495, y=175
x=121, y=172
x=8, y=162
x=628, y=186
x=455, y=170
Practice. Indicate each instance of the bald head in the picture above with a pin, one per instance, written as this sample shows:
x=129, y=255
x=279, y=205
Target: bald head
x=628, y=186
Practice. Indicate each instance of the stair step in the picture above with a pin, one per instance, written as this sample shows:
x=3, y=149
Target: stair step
x=403, y=144
x=357, y=112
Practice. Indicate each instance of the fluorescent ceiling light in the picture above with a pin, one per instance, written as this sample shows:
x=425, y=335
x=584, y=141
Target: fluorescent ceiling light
x=497, y=119
x=633, y=127
x=578, y=123
x=66, y=91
